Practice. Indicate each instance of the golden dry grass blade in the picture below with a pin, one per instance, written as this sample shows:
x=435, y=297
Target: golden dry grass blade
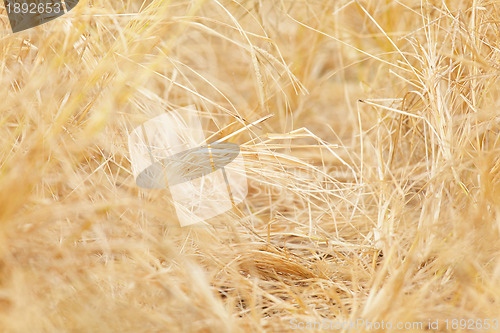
x=373, y=190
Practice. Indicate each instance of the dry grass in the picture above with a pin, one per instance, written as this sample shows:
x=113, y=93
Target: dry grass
x=374, y=190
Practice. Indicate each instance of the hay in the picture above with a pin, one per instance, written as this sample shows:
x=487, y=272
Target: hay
x=373, y=189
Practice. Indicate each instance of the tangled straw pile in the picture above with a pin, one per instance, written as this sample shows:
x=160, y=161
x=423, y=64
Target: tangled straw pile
x=374, y=189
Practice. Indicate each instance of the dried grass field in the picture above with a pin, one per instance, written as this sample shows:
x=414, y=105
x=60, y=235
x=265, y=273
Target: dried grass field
x=373, y=169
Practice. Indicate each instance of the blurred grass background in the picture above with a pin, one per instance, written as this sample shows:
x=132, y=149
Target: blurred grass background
x=373, y=188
